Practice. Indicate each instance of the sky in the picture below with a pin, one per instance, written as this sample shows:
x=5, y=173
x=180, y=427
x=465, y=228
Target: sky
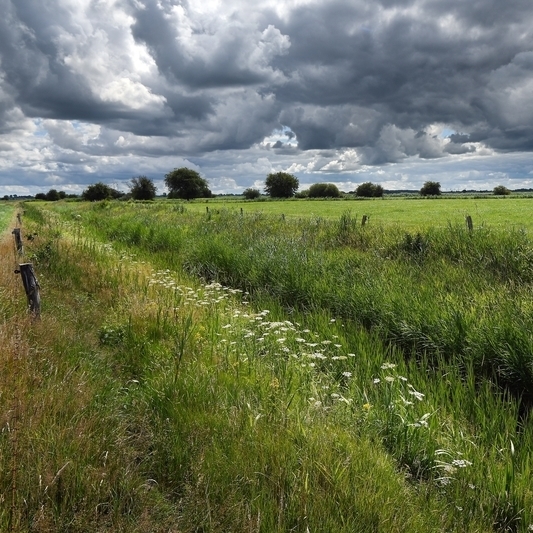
x=396, y=92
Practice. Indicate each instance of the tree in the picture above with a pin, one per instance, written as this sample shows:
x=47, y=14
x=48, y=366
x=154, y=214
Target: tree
x=281, y=185
x=142, y=188
x=52, y=195
x=187, y=184
x=99, y=191
x=369, y=190
x=40, y=196
x=430, y=188
x=251, y=193
x=323, y=190
x=501, y=190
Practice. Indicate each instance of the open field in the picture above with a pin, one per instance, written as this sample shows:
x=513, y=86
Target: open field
x=410, y=213
x=210, y=371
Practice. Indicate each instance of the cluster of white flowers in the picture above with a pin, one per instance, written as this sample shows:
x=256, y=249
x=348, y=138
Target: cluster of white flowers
x=248, y=334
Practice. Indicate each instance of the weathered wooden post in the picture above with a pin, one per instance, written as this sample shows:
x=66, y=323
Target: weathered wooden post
x=18, y=241
x=31, y=286
x=241, y=211
x=364, y=220
x=19, y=219
x=469, y=223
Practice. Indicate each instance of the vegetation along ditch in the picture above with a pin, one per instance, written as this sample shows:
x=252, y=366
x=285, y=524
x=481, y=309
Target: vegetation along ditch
x=222, y=371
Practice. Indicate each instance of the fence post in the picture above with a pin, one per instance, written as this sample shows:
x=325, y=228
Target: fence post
x=364, y=220
x=18, y=241
x=31, y=286
x=469, y=223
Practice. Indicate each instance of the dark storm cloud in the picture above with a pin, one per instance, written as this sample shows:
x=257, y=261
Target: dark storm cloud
x=36, y=75
x=31, y=64
x=444, y=62
x=379, y=82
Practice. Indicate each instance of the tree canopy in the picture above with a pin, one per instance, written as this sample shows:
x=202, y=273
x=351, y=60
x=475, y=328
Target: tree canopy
x=187, y=184
x=430, y=188
x=369, y=190
x=323, y=190
x=501, y=190
x=142, y=188
x=281, y=185
x=251, y=193
x=100, y=191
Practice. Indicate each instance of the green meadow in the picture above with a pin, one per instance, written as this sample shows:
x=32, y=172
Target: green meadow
x=408, y=212
x=281, y=368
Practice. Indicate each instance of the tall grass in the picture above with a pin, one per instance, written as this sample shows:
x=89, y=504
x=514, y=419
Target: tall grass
x=349, y=386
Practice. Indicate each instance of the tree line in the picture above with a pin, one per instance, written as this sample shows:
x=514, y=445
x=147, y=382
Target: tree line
x=187, y=184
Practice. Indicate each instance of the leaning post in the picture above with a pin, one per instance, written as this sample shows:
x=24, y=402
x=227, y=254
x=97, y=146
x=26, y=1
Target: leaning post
x=31, y=286
x=18, y=241
x=469, y=223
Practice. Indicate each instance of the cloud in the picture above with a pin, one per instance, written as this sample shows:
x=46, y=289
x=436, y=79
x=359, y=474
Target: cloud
x=103, y=88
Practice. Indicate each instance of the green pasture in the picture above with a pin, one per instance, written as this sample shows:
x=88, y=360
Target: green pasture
x=410, y=213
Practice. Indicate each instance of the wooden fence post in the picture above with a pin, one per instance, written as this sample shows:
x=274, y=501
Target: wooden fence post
x=469, y=223
x=31, y=286
x=364, y=220
x=18, y=241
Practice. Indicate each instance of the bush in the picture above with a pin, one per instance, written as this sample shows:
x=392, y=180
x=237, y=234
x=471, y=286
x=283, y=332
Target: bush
x=500, y=190
x=251, y=193
x=100, y=191
x=430, y=188
x=369, y=190
x=52, y=195
x=324, y=190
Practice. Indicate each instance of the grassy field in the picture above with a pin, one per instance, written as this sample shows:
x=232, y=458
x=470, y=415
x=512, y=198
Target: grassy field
x=6, y=212
x=408, y=212
x=203, y=370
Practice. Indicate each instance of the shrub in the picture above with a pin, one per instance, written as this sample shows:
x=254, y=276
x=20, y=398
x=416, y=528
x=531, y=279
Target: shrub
x=369, y=190
x=430, y=188
x=251, y=193
x=52, y=195
x=324, y=190
x=99, y=191
x=501, y=190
